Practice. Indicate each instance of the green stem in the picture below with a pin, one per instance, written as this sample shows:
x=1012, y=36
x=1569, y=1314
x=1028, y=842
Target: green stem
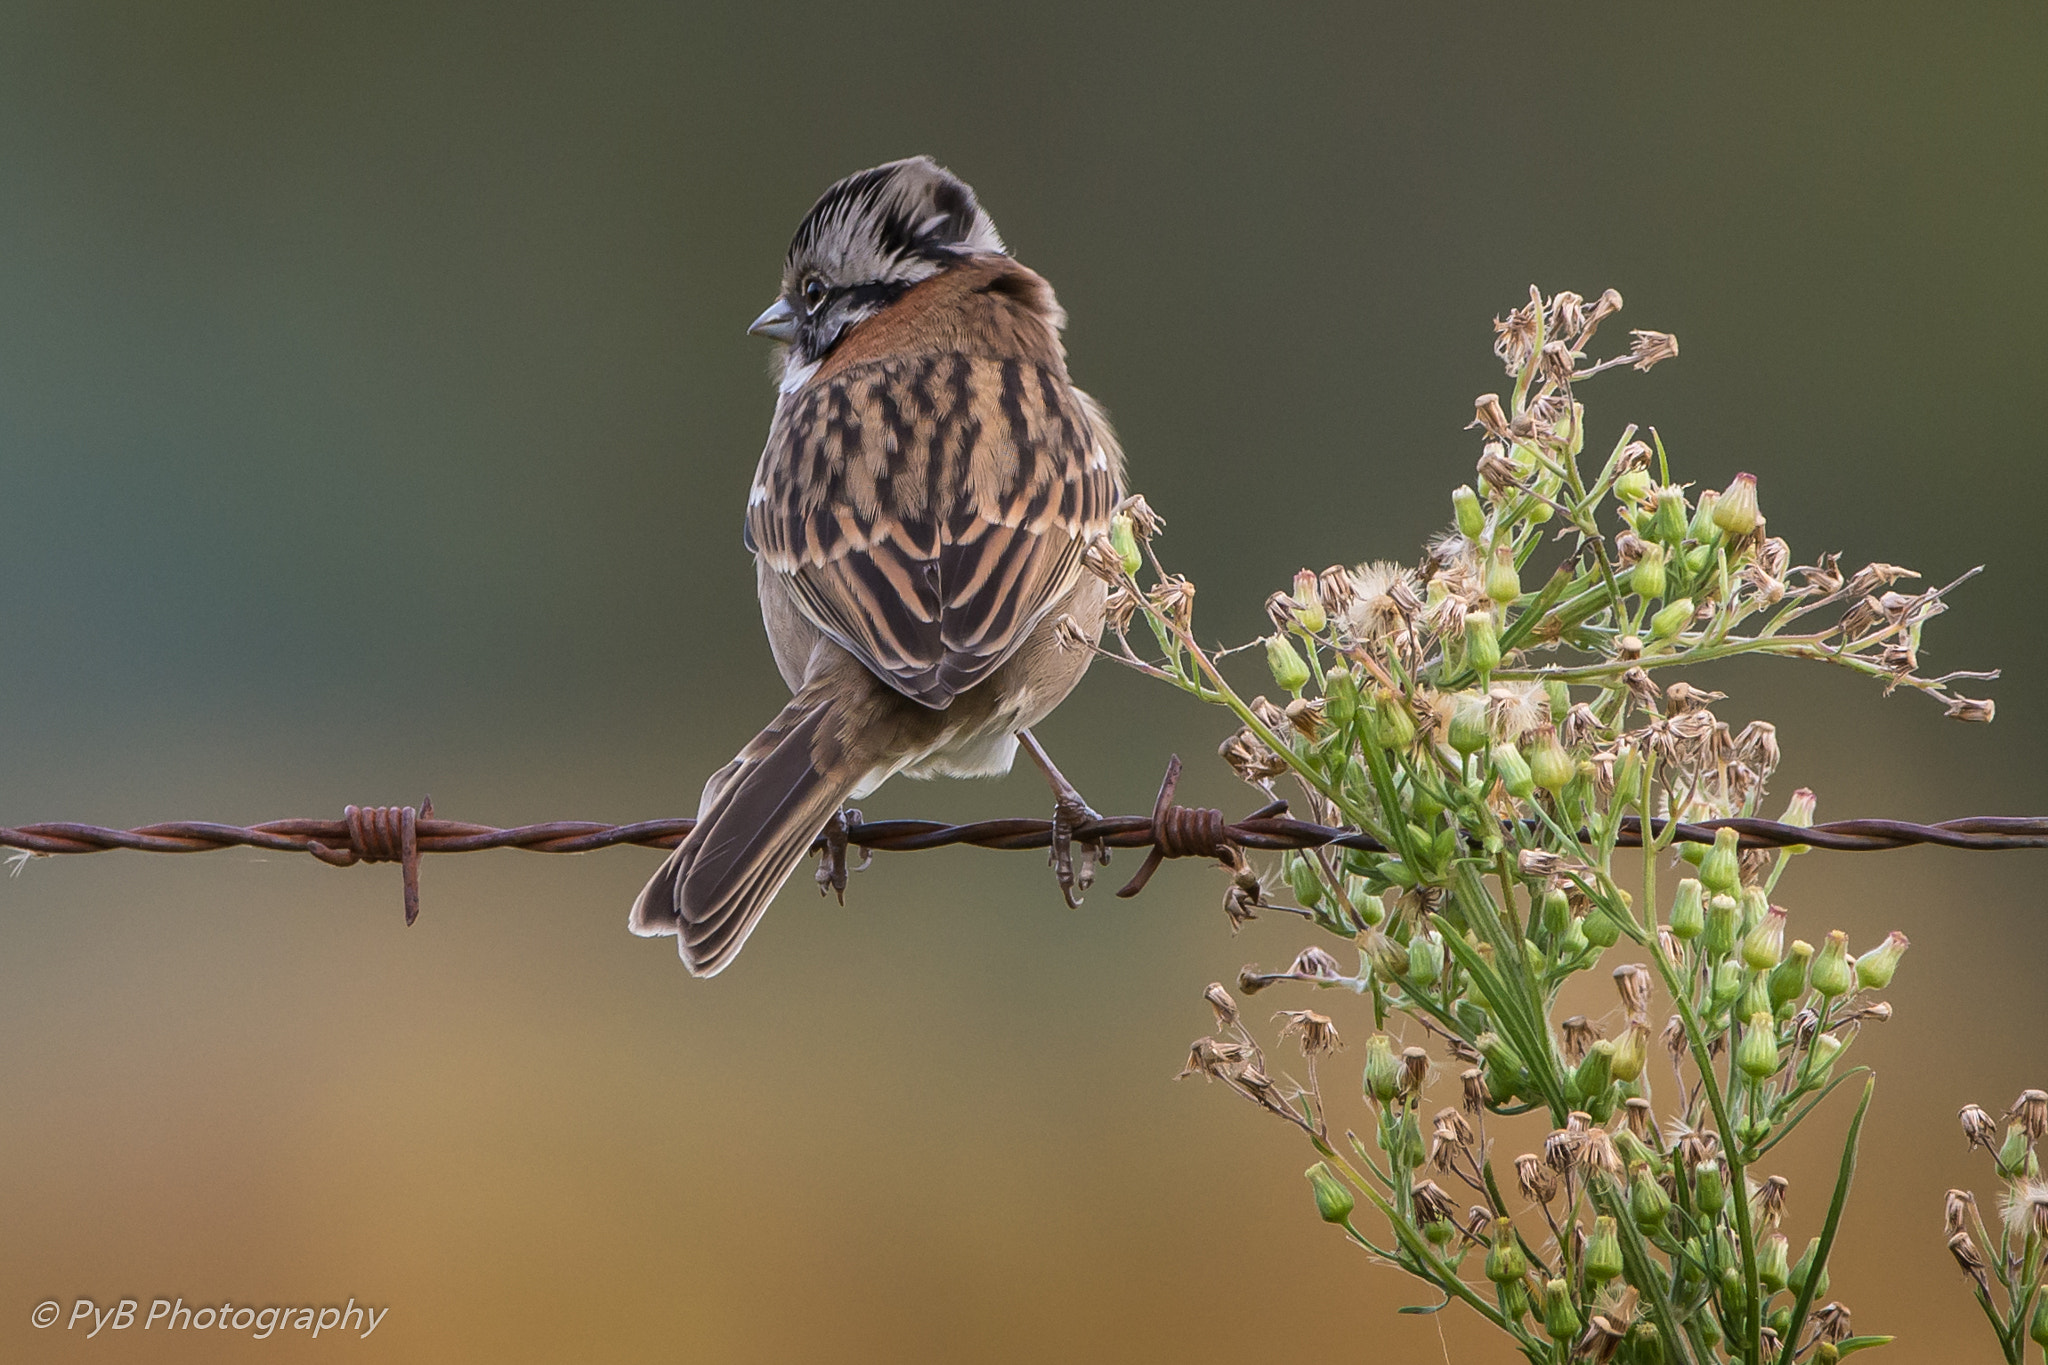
x=1827, y=1232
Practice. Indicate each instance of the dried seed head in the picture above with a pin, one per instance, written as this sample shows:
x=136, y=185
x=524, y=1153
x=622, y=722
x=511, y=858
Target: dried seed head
x=1971, y=709
x=1770, y=1200
x=1174, y=598
x=1757, y=745
x=1978, y=1128
x=2024, y=1207
x=1538, y=863
x=1557, y=361
x=1216, y=1058
x=1414, y=1070
x=1633, y=983
x=1336, y=590
x=1956, y=1210
x=1636, y=1113
x=1970, y=1259
x=1599, y=1154
x=1220, y=1001
x=1250, y=759
x=1476, y=1096
x=1118, y=607
x=1567, y=314
x=1514, y=336
x=1101, y=558
x=1145, y=523
x=1535, y=1178
x=1651, y=347
x=1674, y=1037
x=1579, y=1034
x=2030, y=1111
x=1488, y=416
x=1641, y=690
x=1581, y=727
x=1495, y=469
x=1432, y=1205
x=1832, y=1323
x=1561, y=1148
x=1683, y=697
x=1305, y=714
x=1607, y=306
x=1243, y=897
x=1316, y=964
x=1318, y=1036
x=1871, y=577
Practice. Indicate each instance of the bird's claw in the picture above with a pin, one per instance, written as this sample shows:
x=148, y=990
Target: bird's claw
x=832, y=868
x=1075, y=876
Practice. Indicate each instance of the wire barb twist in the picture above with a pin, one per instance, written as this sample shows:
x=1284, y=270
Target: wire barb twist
x=401, y=834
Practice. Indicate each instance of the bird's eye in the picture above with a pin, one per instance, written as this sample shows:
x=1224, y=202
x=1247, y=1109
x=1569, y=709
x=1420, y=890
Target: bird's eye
x=814, y=294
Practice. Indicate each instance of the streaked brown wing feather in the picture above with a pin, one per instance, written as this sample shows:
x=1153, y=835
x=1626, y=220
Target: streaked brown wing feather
x=928, y=511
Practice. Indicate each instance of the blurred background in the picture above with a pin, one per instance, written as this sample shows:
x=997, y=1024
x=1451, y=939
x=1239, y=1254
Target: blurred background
x=376, y=419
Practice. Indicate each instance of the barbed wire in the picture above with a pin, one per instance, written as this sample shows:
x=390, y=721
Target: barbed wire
x=402, y=834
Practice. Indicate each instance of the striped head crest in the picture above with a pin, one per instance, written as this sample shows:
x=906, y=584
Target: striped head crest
x=865, y=242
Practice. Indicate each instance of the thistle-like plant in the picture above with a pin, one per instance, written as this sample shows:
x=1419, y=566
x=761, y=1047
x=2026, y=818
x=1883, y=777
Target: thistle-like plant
x=2016, y=1260
x=1497, y=718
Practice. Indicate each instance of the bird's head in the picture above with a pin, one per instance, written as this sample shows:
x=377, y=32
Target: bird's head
x=865, y=242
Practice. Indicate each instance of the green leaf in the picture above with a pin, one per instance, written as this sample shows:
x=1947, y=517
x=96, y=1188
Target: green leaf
x=1827, y=1232
x=1849, y=1344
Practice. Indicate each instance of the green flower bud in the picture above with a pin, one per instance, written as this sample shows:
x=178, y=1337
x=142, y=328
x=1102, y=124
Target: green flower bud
x=1788, y=979
x=1756, y=998
x=1755, y=905
x=1467, y=731
x=1724, y=923
x=1602, y=930
x=1439, y=1231
x=1671, y=619
x=1632, y=487
x=1803, y=1268
x=1305, y=882
x=1553, y=768
x=1573, y=945
x=1123, y=539
x=1773, y=1263
x=1709, y=1329
x=1764, y=946
x=1875, y=968
x=2012, y=1156
x=1688, y=910
x=1505, y=1262
x=1721, y=869
x=1340, y=696
x=1647, y=1202
x=1727, y=985
x=1594, y=1073
x=1646, y=1344
x=1288, y=668
x=1426, y=958
x=1555, y=913
x=1482, y=642
x=1334, y=1200
x=1503, y=583
x=1735, y=511
x=1667, y=524
x=1560, y=1319
x=1382, y=1068
x=1699, y=558
x=1821, y=1055
x=1308, y=602
x=1603, y=1252
x=1757, y=1053
x=1702, y=527
x=1647, y=575
x=1470, y=514
x=1709, y=1188
x=1514, y=1300
x=1392, y=726
x=1631, y=1053
x=1514, y=771
x=1831, y=973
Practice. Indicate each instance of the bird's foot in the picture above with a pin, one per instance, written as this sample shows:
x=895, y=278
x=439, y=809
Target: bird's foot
x=840, y=831
x=1069, y=814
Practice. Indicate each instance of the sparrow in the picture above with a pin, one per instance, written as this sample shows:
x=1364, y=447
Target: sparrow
x=918, y=520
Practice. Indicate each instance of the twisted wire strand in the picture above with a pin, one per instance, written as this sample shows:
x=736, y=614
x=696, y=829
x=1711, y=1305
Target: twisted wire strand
x=402, y=834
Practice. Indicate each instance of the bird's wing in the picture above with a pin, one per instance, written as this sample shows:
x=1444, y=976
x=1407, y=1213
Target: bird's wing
x=927, y=512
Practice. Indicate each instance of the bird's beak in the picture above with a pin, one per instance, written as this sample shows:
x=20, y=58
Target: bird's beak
x=778, y=322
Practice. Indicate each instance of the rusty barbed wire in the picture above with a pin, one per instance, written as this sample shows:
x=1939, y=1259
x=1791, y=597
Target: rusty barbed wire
x=402, y=834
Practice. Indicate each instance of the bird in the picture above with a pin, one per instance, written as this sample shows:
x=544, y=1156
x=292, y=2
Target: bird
x=931, y=481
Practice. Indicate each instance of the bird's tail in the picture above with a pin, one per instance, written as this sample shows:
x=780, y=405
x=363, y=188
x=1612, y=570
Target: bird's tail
x=759, y=815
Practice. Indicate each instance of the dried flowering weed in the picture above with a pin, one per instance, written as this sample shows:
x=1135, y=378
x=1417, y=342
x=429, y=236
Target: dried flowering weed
x=1491, y=715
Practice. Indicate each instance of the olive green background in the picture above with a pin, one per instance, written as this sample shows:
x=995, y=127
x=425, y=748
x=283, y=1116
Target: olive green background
x=375, y=419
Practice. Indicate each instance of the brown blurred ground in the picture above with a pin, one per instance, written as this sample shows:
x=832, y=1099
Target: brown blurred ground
x=375, y=418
